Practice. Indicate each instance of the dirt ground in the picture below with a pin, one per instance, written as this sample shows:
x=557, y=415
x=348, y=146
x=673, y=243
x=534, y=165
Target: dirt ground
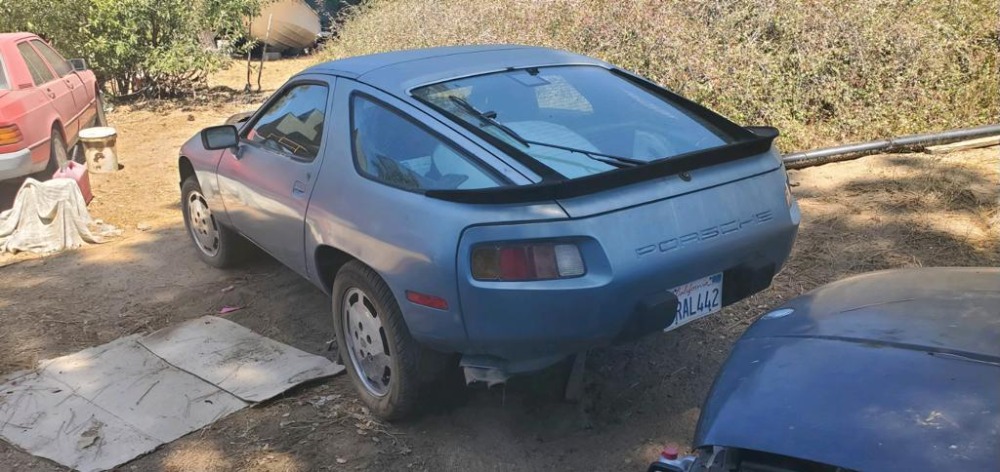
x=878, y=212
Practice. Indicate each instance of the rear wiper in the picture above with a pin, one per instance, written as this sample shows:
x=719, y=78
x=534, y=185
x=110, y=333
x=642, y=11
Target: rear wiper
x=609, y=159
x=487, y=118
x=490, y=119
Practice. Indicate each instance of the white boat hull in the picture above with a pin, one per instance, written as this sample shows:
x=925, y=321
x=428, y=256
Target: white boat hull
x=293, y=25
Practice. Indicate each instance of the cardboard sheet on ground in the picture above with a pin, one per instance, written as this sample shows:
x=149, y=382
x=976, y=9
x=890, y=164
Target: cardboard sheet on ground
x=252, y=367
x=103, y=406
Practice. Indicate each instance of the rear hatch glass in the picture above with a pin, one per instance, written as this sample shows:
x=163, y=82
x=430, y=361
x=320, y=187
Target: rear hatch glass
x=579, y=125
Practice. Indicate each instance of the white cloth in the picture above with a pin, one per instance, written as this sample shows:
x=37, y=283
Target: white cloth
x=46, y=217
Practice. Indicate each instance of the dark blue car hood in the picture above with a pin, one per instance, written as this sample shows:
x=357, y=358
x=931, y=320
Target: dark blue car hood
x=889, y=371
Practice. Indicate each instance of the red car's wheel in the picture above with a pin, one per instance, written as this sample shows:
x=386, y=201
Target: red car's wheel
x=58, y=154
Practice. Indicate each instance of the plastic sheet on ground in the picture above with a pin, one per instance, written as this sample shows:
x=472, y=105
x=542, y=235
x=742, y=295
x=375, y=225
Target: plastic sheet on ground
x=103, y=406
x=46, y=217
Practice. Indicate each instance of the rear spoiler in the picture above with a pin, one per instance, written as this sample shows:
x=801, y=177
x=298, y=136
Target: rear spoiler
x=757, y=141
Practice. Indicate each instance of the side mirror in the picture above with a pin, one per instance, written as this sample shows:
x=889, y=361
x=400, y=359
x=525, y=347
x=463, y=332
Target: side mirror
x=215, y=138
x=764, y=131
x=79, y=65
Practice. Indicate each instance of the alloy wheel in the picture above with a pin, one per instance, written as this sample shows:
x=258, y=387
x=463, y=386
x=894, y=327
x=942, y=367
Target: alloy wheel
x=366, y=342
x=202, y=225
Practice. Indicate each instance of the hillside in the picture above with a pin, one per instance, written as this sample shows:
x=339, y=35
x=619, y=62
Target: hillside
x=823, y=71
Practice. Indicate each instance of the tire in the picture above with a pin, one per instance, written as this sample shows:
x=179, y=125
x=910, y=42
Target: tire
x=411, y=367
x=58, y=153
x=77, y=154
x=216, y=244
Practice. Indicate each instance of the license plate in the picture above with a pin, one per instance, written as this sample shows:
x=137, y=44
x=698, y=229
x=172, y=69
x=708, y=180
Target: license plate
x=697, y=299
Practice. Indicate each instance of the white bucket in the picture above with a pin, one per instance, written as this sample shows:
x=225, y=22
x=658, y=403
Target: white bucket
x=99, y=149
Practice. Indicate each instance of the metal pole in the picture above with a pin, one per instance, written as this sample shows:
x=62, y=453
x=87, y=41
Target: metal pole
x=249, y=87
x=800, y=160
x=263, y=52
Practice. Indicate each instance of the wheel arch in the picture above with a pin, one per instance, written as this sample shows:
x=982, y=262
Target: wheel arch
x=329, y=260
x=185, y=169
x=58, y=126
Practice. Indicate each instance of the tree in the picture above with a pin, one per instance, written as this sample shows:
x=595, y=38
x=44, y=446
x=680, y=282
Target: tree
x=137, y=46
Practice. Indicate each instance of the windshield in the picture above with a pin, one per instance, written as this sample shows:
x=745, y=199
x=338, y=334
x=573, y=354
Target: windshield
x=576, y=120
x=3, y=77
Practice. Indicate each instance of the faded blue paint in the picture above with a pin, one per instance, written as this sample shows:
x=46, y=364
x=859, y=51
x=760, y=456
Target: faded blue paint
x=888, y=371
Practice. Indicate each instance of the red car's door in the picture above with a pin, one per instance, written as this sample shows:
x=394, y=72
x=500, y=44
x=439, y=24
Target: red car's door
x=83, y=93
x=53, y=87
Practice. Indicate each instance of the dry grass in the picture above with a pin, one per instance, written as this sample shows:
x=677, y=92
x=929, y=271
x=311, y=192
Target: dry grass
x=823, y=71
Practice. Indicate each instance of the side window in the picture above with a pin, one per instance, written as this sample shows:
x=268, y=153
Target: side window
x=3, y=77
x=293, y=124
x=393, y=149
x=59, y=63
x=40, y=73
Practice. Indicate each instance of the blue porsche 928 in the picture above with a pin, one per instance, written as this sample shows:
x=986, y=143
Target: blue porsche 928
x=506, y=205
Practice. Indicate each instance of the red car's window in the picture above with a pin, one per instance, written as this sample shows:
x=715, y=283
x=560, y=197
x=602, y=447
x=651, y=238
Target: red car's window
x=59, y=63
x=3, y=78
x=40, y=73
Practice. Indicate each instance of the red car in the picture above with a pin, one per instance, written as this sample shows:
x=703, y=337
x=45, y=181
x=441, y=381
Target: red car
x=45, y=101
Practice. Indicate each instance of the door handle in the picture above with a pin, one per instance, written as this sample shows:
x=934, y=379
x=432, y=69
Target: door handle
x=69, y=83
x=298, y=188
x=50, y=93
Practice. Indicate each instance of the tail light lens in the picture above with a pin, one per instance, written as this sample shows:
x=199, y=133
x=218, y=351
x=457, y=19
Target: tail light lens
x=10, y=134
x=532, y=261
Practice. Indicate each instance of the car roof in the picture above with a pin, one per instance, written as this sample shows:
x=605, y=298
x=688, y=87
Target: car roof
x=5, y=37
x=399, y=71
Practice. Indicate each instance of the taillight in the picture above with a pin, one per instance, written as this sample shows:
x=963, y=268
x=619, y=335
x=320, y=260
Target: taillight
x=527, y=261
x=10, y=134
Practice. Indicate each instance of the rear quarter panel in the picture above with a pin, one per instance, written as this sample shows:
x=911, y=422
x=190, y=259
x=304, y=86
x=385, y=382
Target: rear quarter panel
x=409, y=239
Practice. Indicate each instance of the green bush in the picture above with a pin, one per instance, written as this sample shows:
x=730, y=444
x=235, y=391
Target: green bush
x=822, y=71
x=136, y=46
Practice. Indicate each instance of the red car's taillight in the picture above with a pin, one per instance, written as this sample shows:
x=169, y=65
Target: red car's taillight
x=527, y=261
x=10, y=134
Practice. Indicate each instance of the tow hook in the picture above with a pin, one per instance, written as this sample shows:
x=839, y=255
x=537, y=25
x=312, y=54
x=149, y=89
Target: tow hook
x=678, y=465
x=670, y=461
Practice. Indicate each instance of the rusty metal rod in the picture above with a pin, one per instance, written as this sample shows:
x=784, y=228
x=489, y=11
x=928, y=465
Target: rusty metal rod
x=801, y=160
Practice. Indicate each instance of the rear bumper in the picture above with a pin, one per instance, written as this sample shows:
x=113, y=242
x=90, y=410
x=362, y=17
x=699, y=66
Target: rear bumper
x=526, y=331
x=16, y=164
